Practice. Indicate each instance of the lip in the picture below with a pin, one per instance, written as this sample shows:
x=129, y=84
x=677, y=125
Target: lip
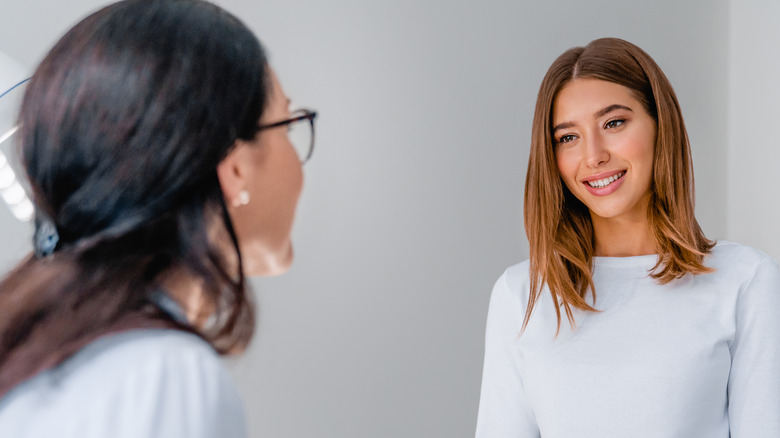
x=604, y=191
x=603, y=175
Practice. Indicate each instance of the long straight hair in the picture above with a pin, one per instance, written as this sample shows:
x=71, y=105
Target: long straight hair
x=123, y=126
x=558, y=225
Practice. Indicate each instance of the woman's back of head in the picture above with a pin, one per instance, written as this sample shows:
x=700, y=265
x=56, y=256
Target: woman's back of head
x=123, y=125
x=128, y=116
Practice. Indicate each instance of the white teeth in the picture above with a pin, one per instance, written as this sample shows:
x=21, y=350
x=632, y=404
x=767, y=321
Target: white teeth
x=601, y=183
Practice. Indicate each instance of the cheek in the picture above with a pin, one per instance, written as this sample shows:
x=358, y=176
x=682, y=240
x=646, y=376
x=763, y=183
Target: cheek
x=291, y=173
x=644, y=154
x=282, y=184
x=650, y=152
x=567, y=166
x=644, y=145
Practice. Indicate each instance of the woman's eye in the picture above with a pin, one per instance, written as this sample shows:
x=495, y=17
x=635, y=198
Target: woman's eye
x=614, y=123
x=565, y=139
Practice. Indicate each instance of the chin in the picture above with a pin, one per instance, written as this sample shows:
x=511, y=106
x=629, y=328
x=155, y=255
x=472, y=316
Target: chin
x=267, y=264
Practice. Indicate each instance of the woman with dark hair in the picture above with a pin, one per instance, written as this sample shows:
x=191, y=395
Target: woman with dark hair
x=155, y=138
x=669, y=334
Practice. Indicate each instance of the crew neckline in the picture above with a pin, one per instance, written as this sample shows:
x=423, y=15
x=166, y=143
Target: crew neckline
x=644, y=261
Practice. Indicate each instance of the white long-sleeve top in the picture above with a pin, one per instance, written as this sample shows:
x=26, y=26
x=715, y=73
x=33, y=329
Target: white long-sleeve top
x=697, y=357
x=151, y=383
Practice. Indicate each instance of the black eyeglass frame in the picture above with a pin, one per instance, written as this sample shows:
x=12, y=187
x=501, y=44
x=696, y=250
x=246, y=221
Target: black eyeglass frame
x=303, y=114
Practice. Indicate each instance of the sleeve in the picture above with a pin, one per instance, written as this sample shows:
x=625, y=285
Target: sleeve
x=754, y=381
x=184, y=392
x=503, y=409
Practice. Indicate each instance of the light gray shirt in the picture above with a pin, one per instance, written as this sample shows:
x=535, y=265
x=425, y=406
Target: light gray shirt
x=696, y=357
x=143, y=383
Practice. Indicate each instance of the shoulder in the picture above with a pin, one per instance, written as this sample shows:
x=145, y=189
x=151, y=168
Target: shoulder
x=753, y=275
x=512, y=288
x=150, y=348
x=516, y=277
x=729, y=253
x=144, y=345
x=144, y=382
x=146, y=355
x=738, y=263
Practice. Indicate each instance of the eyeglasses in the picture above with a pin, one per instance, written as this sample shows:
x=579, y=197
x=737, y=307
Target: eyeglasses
x=300, y=131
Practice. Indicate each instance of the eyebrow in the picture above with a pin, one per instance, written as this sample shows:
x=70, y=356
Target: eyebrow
x=600, y=113
x=604, y=111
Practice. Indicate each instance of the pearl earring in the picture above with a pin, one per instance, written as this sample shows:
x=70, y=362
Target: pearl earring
x=242, y=199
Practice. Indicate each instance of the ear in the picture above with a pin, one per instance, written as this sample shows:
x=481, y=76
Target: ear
x=232, y=172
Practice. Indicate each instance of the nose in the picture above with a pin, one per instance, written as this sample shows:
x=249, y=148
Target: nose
x=595, y=152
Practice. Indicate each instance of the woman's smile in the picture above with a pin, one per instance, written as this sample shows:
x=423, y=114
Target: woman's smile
x=604, y=183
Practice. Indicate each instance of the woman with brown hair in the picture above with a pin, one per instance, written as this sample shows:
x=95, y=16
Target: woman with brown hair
x=626, y=321
x=155, y=138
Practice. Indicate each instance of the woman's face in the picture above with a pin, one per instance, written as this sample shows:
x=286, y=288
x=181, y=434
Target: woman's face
x=268, y=169
x=604, y=143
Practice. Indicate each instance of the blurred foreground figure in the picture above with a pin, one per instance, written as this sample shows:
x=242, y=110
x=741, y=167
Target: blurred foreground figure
x=155, y=138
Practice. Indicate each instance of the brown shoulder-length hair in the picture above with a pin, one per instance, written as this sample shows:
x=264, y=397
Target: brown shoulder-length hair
x=123, y=126
x=558, y=225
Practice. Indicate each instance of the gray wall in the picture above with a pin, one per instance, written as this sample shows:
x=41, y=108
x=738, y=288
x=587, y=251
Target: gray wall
x=753, y=213
x=413, y=199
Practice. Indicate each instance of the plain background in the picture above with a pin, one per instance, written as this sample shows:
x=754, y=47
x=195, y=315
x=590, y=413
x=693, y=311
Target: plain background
x=413, y=199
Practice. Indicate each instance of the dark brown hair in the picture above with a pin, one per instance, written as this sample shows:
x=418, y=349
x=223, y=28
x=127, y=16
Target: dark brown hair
x=123, y=125
x=558, y=225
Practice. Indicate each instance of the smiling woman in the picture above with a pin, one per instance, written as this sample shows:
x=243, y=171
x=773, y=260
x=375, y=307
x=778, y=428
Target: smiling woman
x=684, y=338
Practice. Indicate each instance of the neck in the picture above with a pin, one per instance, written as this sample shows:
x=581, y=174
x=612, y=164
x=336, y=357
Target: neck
x=622, y=237
x=188, y=293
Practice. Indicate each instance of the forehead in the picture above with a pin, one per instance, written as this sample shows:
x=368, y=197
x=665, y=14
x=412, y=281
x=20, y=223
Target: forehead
x=278, y=103
x=276, y=92
x=582, y=98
